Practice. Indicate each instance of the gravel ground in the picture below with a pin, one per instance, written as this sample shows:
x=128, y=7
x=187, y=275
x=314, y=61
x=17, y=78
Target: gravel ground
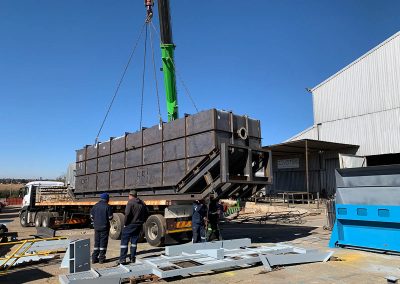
x=355, y=267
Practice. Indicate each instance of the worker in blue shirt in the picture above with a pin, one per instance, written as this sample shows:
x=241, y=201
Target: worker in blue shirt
x=101, y=214
x=199, y=219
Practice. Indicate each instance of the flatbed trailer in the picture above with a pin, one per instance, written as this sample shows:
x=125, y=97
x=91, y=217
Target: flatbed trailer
x=212, y=154
x=169, y=220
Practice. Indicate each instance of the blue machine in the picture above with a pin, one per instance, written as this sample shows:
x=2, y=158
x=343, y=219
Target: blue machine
x=368, y=208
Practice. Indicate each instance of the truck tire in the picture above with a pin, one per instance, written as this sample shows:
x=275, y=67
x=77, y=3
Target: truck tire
x=116, y=225
x=23, y=219
x=47, y=220
x=38, y=219
x=154, y=230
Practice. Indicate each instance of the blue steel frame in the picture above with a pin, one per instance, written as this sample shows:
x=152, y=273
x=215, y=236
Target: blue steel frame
x=367, y=226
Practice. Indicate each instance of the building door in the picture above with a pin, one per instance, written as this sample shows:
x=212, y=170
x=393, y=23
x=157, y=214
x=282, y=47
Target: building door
x=330, y=181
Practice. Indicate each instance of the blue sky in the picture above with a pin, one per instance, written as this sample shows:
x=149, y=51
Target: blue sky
x=60, y=62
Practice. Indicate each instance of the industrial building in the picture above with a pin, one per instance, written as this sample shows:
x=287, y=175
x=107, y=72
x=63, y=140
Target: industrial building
x=356, y=110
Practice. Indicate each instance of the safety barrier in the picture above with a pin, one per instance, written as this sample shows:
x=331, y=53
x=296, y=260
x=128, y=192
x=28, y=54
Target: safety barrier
x=14, y=201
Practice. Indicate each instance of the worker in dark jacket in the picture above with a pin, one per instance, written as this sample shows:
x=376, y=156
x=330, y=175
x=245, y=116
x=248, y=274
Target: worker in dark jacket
x=136, y=214
x=101, y=214
x=198, y=222
x=213, y=220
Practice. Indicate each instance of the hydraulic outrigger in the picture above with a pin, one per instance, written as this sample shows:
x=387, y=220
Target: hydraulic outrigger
x=167, y=54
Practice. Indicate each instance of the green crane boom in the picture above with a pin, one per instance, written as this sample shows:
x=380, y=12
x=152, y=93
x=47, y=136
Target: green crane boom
x=167, y=55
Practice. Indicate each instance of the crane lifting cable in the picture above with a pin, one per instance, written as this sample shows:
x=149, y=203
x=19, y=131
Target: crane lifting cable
x=120, y=82
x=155, y=77
x=149, y=16
x=187, y=93
x=143, y=76
x=169, y=67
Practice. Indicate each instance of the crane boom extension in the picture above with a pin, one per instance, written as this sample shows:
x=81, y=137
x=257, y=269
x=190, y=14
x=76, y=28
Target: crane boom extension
x=167, y=54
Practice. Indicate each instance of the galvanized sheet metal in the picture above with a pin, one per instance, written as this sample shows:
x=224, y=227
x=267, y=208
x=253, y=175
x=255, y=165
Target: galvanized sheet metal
x=309, y=133
x=369, y=185
x=370, y=84
x=377, y=133
x=360, y=104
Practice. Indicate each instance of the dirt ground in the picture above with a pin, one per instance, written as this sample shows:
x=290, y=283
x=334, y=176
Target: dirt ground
x=355, y=266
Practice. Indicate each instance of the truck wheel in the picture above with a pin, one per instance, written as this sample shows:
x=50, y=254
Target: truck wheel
x=38, y=219
x=116, y=225
x=154, y=230
x=23, y=218
x=46, y=219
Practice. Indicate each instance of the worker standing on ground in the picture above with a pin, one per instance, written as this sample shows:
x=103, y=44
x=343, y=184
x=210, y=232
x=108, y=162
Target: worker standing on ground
x=136, y=213
x=101, y=214
x=199, y=219
x=221, y=209
x=213, y=219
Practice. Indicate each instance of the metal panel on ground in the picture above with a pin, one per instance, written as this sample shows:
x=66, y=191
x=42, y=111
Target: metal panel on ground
x=208, y=257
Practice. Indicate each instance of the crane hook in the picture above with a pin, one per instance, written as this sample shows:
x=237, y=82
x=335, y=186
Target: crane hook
x=149, y=8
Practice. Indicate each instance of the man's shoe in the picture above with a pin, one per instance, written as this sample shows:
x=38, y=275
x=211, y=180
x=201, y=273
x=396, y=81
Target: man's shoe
x=95, y=261
x=121, y=262
x=133, y=259
x=101, y=261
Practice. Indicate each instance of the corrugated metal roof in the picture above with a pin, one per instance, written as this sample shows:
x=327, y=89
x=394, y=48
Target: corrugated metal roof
x=362, y=105
x=357, y=60
x=309, y=133
x=371, y=85
x=298, y=146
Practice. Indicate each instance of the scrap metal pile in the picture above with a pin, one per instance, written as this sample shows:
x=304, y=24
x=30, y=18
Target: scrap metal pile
x=281, y=217
x=30, y=250
x=187, y=259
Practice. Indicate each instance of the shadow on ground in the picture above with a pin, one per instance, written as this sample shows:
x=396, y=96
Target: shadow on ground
x=265, y=233
x=9, y=213
x=23, y=276
x=142, y=253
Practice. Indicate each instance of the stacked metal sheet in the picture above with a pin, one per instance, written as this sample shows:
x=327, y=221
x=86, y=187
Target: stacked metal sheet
x=160, y=156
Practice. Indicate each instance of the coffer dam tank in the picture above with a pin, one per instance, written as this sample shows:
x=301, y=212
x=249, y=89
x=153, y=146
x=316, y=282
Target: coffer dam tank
x=211, y=152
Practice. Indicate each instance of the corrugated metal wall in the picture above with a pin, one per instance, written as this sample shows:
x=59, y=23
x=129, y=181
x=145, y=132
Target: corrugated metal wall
x=321, y=174
x=377, y=133
x=294, y=179
x=360, y=105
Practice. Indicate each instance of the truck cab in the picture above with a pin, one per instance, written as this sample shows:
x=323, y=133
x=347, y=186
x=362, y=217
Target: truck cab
x=28, y=198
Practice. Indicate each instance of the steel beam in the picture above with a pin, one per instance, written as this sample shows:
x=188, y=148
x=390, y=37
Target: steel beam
x=192, y=248
x=185, y=260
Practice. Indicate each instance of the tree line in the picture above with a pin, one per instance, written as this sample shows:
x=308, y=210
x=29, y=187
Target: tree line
x=14, y=180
